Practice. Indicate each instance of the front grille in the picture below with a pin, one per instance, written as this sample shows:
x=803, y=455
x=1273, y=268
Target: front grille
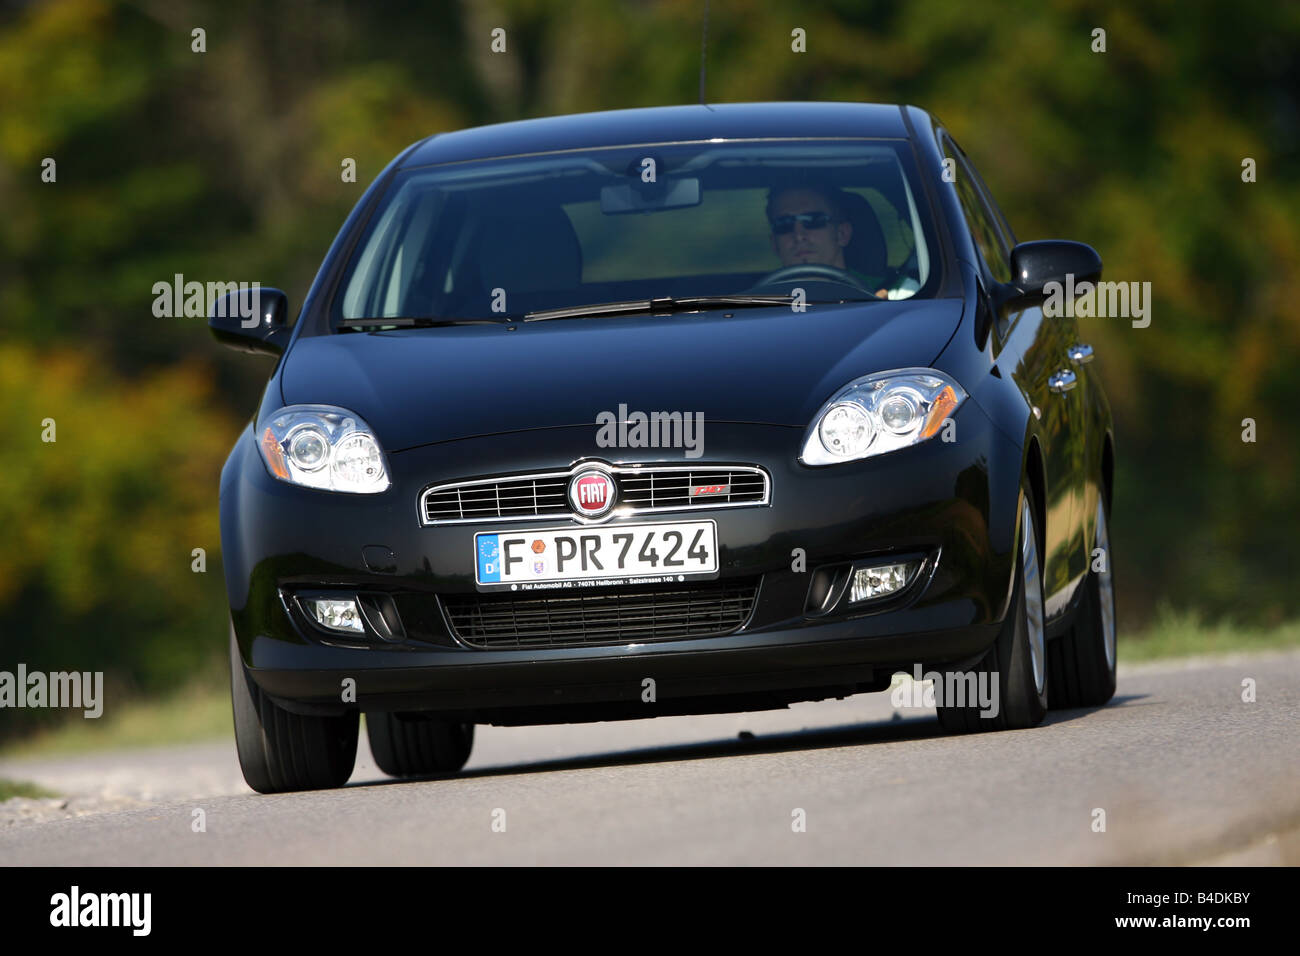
x=504, y=498
x=673, y=489
x=594, y=617
x=641, y=489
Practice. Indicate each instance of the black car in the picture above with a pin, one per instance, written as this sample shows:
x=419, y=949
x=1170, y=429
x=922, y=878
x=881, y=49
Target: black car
x=663, y=411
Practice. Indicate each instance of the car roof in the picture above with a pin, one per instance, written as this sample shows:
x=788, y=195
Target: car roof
x=660, y=124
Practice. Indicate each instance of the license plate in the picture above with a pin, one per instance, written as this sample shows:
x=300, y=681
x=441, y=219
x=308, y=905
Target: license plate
x=595, y=556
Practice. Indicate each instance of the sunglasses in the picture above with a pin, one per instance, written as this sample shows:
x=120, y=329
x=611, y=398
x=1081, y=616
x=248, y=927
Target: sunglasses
x=809, y=220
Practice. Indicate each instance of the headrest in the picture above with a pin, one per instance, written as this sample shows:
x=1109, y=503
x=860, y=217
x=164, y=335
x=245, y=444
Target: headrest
x=533, y=252
x=866, y=251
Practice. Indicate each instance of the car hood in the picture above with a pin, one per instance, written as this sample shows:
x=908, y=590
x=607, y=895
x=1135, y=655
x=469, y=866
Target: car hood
x=763, y=366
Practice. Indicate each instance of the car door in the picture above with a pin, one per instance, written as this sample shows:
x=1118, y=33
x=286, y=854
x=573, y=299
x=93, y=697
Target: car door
x=1034, y=348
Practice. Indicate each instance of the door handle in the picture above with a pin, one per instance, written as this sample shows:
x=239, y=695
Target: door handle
x=1080, y=354
x=1062, y=381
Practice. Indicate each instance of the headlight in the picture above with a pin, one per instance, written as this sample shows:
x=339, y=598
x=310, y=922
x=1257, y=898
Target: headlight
x=881, y=413
x=321, y=446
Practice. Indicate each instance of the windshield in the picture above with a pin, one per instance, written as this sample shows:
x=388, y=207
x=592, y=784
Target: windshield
x=822, y=220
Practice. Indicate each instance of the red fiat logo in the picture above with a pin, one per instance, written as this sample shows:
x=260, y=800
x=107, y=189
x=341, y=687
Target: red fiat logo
x=591, y=493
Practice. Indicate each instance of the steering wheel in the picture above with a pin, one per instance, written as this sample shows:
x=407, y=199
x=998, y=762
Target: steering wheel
x=815, y=270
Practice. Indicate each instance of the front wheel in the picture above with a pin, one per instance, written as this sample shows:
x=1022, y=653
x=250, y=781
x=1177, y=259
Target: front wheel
x=1007, y=689
x=416, y=745
x=281, y=751
x=1082, y=661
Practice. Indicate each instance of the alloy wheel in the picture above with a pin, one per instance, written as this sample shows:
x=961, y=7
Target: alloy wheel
x=1033, y=596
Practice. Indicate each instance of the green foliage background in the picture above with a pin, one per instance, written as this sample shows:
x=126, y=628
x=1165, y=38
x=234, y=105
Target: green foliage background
x=226, y=165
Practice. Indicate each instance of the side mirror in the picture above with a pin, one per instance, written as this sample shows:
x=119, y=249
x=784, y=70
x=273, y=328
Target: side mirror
x=1035, y=264
x=252, y=320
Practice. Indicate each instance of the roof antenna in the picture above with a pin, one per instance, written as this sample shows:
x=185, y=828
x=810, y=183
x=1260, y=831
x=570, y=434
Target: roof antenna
x=704, y=36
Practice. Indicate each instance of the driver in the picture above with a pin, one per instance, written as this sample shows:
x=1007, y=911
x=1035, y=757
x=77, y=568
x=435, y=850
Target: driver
x=809, y=225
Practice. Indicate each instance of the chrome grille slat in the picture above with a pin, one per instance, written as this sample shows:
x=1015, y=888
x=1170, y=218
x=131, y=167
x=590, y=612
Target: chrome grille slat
x=641, y=489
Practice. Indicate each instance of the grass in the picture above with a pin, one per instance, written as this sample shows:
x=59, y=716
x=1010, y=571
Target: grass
x=201, y=711
x=1184, y=634
x=19, y=788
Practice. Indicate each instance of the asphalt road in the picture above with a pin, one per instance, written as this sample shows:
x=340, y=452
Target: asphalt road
x=1184, y=770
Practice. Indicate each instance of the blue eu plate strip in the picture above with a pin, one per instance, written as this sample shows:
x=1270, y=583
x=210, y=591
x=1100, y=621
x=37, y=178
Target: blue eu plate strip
x=489, y=559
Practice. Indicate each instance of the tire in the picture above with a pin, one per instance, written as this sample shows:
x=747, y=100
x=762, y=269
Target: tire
x=415, y=745
x=1015, y=668
x=281, y=751
x=1081, y=663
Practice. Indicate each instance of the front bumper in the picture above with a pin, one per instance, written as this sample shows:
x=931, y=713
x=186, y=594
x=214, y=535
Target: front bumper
x=955, y=502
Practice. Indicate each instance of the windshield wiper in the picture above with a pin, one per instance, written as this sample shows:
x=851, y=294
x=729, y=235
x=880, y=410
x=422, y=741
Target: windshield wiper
x=662, y=304
x=413, y=322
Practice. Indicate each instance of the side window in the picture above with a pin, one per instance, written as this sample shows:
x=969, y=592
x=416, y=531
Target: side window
x=1008, y=237
x=982, y=222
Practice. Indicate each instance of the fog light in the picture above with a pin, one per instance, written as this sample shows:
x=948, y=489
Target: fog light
x=881, y=580
x=337, y=615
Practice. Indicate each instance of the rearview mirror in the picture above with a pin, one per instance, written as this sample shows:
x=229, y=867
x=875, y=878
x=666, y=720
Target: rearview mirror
x=252, y=320
x=643, y=197
x=1035, y=264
